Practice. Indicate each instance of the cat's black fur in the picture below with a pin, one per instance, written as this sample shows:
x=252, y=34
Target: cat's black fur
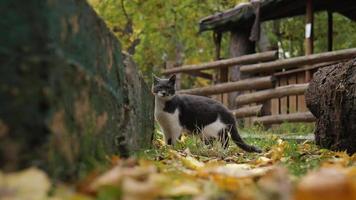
x=196, y=112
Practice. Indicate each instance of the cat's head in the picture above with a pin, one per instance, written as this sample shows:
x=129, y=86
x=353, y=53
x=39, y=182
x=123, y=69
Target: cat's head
x=164, y=88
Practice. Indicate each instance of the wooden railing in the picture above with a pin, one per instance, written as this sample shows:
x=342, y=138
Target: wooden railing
x=274, y=90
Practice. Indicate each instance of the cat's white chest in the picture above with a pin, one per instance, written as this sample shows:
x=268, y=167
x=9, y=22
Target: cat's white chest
x=168, y=121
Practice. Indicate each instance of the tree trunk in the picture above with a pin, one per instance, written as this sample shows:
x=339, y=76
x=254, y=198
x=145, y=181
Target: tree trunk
x=69, y=97
x=331, y=97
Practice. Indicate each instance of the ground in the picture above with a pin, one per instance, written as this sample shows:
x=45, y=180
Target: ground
x=287, y=169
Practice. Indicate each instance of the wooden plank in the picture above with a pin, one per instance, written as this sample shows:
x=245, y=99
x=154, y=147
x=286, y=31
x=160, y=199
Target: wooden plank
x=224, y=75
x=278, y=119
x=246, y=59
x=292, y=99
x=301, y=99
x=298, y=62
x=201, y=75
x=246, y=84
x=283, y=100
x=277, y=92
x=275, y=106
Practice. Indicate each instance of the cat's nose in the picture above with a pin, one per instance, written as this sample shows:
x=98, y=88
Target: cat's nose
x=164, y=93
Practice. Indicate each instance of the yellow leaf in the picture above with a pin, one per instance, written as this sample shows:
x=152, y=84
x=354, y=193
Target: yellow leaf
x=29, y=184
x=192, y=163
x=263, y=161
x=238, y=170
x=188, y=161
x=183, y=188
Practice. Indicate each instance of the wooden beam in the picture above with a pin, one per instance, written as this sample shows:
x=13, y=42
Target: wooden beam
x=277, y=92
x=299, y=61
x=246, y=84
x=312, y=67
x=248, y=111
x=201, y=75
x=278, y=119
x=247, y=59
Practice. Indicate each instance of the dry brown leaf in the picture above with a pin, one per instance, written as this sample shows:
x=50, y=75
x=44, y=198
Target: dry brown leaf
x=341, y=159
x=116, y=175
x=327, y=184
x=148, y=189
x=276, y=184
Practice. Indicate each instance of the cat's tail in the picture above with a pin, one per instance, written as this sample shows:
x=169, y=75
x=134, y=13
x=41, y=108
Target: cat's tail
x=239, y=142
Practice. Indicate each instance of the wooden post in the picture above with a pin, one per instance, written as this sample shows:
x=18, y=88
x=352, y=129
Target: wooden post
x=217, y=41
x=330, y=30
x=239, y=45
x=309, y=43
x=222, y=72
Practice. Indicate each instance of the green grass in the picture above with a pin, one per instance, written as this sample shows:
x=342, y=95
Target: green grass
x=298, y=156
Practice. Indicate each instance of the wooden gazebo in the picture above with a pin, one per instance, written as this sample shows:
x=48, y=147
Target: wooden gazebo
x=268, y=90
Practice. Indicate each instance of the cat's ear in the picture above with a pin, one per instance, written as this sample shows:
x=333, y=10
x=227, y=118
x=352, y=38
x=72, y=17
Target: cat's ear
x=172, y=79
x=155, y=79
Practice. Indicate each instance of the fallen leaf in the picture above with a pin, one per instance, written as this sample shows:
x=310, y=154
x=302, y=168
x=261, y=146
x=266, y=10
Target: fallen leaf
x=116, y=175
x=262, y=161
x=326, y=184
x=148, y=189
x=188, y=161
x=182, y=188
x=29, y=184
x=276, y=184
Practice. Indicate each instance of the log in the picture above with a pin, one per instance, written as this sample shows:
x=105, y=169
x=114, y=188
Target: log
x=249, y=111
x=69, y=97
x=201, y=75
x=299, y=61
x=331, y=97
x=292, y=117
x=246, y=84
x=277, y=92
x=247, y=59
x=303, y=69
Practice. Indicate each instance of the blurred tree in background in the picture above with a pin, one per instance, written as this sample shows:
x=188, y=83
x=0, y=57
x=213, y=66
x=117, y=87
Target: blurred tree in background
x=157, y=32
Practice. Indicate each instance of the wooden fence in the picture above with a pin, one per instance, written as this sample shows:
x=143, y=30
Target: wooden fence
x=274, y=90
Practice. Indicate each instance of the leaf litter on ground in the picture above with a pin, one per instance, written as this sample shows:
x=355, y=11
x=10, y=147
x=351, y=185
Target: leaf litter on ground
x=177, y=173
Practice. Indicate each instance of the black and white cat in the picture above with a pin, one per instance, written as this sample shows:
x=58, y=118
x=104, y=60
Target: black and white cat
x=195, y=114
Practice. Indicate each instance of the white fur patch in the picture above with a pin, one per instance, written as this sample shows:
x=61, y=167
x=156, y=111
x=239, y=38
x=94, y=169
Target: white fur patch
x=213, y=129
x=169, y=123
